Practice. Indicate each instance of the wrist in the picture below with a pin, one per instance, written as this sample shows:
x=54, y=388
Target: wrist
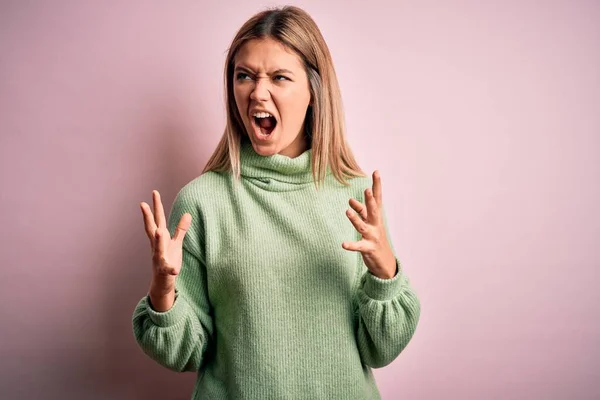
x=161, y=287
x=161, y=301
x=389, y=273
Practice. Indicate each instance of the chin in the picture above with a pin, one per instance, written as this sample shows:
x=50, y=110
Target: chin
x=265, y=152
x=264, y=149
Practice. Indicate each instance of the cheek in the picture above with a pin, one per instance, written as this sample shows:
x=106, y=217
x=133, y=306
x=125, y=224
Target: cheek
x=292, y=106
x=240, y=97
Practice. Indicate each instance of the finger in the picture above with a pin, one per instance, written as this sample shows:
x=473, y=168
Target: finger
x=161, y=241
x=149, y=224
x=182, y=227
x=159, y=211
x=361, y=246
x=359, y=208
x=377, y=186
x=358, y=223
x=372, y=206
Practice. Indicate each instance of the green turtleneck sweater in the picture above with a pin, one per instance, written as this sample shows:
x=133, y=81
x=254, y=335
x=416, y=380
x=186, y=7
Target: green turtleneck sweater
x=268, y=304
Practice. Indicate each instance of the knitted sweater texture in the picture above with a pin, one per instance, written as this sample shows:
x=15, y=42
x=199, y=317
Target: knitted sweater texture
x=268, y=304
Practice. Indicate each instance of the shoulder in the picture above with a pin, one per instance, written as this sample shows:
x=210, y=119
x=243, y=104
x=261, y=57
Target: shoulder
x=356, y=185
x=201, y=189
x=361, y=181
x=196, y=196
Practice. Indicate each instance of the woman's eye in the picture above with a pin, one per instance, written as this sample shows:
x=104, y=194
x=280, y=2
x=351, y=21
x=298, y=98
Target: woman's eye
x=242, y=76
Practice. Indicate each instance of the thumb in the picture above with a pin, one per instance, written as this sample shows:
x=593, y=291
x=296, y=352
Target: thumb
x=182, y=227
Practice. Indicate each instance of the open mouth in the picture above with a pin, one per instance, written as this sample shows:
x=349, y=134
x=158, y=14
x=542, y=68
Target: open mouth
x=264, y=127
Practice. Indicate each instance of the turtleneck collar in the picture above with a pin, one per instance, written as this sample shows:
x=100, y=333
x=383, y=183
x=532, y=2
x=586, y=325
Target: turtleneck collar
x=284, y=170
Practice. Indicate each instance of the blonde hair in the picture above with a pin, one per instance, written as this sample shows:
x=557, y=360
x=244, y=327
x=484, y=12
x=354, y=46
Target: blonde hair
x=324, y=121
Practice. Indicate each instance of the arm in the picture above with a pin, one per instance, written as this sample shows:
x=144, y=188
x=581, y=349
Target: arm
x=180, y=337
x=388, y=314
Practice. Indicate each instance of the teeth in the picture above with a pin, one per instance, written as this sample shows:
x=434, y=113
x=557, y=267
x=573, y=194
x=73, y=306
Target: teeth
x=261, y=115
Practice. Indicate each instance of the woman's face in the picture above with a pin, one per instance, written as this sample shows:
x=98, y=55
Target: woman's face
x=270, y=78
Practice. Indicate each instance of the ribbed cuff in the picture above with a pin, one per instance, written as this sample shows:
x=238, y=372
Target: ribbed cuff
x=169, y=317
x=383, y=289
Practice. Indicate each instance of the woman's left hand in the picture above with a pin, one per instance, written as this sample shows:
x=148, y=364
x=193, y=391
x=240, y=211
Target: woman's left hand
x=374, y=246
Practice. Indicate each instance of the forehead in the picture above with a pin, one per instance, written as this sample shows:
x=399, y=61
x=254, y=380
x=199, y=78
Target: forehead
x=267, y=54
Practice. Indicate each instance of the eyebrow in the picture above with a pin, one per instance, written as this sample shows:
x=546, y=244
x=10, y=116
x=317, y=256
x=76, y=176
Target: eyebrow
x=277, y=71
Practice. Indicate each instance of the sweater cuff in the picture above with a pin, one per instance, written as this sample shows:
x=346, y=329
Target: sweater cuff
x=383, y=289
x=169, y=317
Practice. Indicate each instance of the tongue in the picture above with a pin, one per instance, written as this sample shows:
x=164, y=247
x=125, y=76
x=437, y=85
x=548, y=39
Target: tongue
x=266, y=123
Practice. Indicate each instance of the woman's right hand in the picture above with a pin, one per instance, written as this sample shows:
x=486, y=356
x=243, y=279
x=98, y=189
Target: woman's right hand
x=166, y=252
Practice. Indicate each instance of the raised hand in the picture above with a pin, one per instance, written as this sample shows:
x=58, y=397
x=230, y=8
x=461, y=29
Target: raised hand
x=368, y=221
x=166, y=252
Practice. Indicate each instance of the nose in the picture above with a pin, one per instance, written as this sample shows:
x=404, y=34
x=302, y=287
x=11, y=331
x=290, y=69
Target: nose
x=261, y=90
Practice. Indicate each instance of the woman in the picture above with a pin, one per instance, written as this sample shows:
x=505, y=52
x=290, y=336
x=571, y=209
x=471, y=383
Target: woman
x=264, y=282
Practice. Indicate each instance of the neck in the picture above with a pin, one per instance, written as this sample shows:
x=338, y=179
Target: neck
x=276, y=172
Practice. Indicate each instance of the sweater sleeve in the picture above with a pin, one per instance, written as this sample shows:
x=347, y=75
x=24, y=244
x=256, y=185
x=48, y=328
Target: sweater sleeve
x=179, y=338
x=388, y=313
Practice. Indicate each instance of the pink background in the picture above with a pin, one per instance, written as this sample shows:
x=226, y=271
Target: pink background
x=483, y=118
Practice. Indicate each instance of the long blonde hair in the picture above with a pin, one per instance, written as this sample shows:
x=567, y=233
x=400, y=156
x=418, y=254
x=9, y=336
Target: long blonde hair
x=324, y=121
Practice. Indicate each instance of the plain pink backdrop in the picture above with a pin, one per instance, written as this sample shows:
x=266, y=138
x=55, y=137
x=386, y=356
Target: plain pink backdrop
x=483, y=118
